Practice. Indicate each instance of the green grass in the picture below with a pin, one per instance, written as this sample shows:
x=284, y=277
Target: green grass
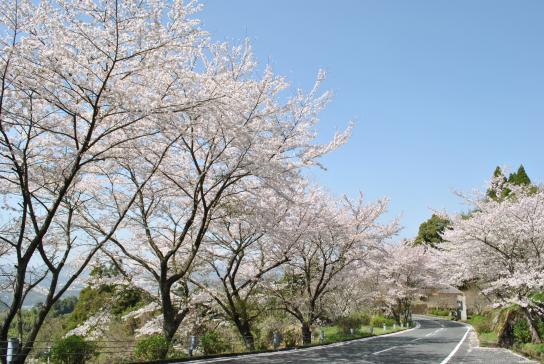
x=438, y=312
x=333, y=334
x=484, y=328
x=539, y=348
x=488, y=338
x=535, y=351
x=477, y=319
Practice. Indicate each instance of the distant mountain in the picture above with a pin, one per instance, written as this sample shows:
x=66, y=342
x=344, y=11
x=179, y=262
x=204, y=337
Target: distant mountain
x=36, y=296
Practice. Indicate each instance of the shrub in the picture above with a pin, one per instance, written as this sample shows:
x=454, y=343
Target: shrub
x=353, y=321
x=265, y=330
x=213, y=343
x=540, y=328
x=379, y=321
x=439, y=311
x=364, y=317
x=72, y=350
x=291, y=335
x=152, y=348
x=521, y=331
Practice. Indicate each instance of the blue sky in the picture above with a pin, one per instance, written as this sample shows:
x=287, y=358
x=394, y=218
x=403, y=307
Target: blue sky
x=441, y=91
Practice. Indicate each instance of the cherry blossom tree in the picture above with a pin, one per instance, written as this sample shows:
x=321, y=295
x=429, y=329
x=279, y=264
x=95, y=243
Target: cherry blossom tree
x=241, y=138
x=244, y=140
x=347, y=297
x=337, y=235
x=245, y=247
x=500, y=245
x=399, y=273
x=82, y=87
x=122, y=122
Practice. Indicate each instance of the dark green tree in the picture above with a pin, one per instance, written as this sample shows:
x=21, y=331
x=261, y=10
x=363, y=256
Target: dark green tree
x=520, y=178
x=65, y=305
x=430, y=232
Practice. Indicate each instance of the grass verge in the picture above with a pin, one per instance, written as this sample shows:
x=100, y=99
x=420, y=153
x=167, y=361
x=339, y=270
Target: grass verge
x=535, y=351
x=333, y=335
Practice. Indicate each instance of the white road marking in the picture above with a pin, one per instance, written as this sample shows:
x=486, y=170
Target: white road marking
x=448, y=358
x=435, y=331
x=383, y=351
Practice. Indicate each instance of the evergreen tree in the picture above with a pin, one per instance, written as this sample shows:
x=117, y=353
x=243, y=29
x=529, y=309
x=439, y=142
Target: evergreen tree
x=520, y=178
x=430, y=232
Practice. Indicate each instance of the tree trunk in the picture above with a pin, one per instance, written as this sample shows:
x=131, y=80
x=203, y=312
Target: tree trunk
x=397, y=312
x=531, y=322
x=407, y=313
x=247, y=336
x=16, y=303
x=244, y=329
x=170, y=322
x=26, y=348
x=505, y=335
x=306, y=334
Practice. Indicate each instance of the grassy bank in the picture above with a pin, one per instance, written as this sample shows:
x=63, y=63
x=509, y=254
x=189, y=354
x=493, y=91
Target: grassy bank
x=483, y=325
x=335, y=334
x=535, y=351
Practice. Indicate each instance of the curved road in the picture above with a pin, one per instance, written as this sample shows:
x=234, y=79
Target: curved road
x=432, y=341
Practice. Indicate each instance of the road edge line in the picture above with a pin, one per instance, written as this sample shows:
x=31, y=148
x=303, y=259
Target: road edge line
x=452, y=353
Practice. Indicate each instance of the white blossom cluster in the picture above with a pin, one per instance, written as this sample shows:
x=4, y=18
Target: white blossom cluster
x=94, y=328
x=151, y=327
x=149, y=308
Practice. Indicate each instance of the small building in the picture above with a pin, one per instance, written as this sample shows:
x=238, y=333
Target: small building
x=446, y=298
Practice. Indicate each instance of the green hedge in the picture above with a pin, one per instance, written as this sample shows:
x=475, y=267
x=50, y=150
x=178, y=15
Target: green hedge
x=152, y=348
x=379, y=321
x=72, y=350
x=439, y=311
x=353, y=321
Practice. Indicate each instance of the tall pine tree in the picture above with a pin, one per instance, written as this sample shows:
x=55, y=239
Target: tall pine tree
x=520, y=178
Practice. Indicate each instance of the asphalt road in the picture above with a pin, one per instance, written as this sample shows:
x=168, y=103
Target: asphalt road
x=432, y=341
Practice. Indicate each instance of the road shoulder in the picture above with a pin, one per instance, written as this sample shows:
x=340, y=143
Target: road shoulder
x=472, y=352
